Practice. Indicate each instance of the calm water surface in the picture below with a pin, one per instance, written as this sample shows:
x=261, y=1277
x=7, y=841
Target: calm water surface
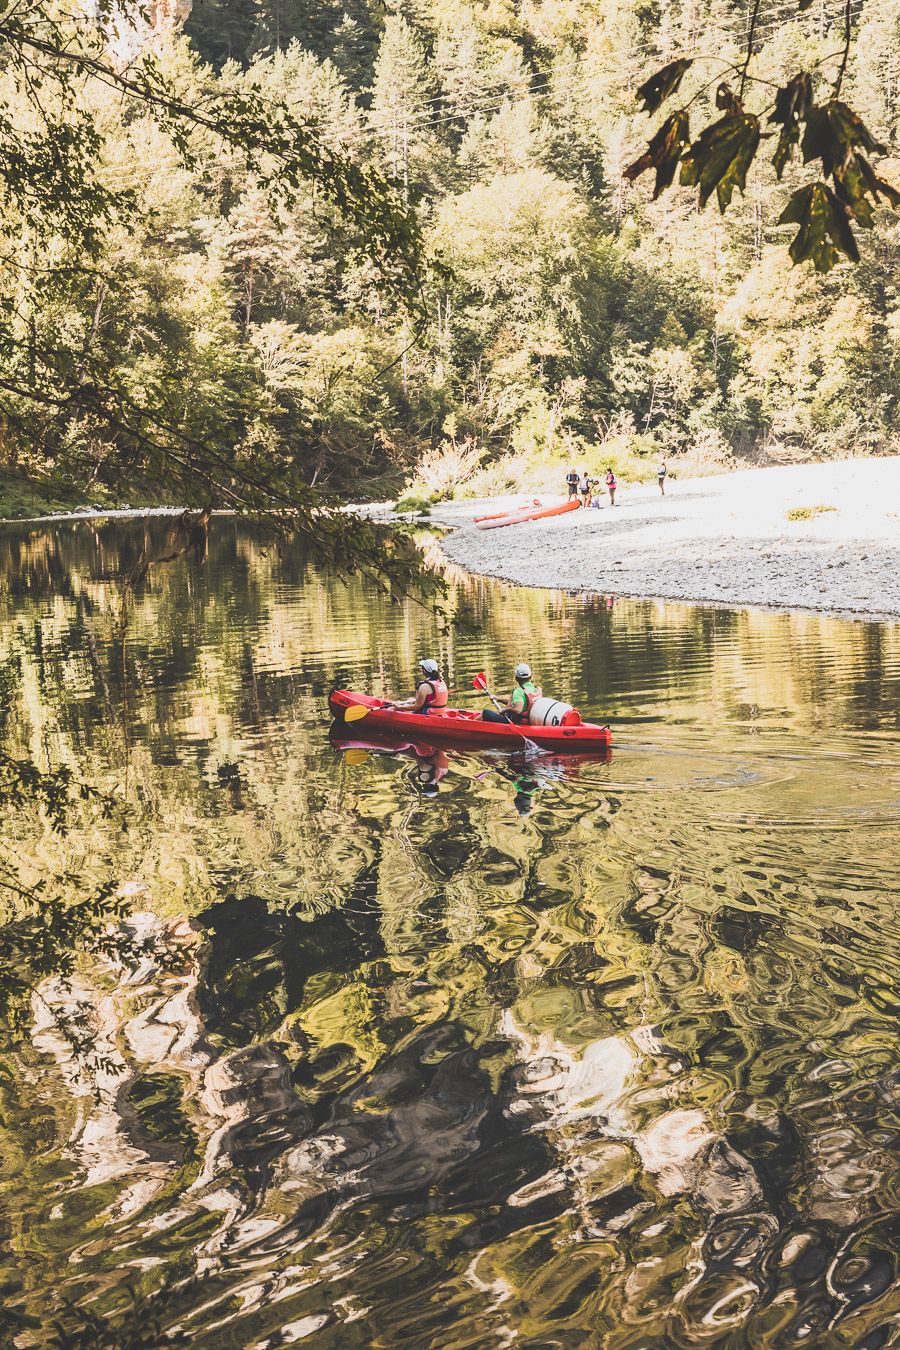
x=571, y=1054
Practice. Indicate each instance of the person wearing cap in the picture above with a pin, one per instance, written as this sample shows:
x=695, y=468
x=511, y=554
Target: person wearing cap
x=431, y=692
x=525, y=693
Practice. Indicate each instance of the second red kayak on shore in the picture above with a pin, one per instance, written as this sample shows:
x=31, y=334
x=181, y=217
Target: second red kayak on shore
x=525, y=513
x=458, y=726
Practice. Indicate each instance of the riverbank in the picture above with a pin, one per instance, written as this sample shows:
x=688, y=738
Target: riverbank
x=758, y=538
x=101, y=513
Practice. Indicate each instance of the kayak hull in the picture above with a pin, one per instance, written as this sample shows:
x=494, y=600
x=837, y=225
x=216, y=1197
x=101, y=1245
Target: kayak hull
x=459, y=727
x=535, y=504
x=526, y=513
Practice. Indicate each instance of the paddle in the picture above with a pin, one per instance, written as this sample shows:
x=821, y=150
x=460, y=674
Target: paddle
x=356, y=712
x=480, y=683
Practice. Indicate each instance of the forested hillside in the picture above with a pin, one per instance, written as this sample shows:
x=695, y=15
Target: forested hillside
x=563, y=315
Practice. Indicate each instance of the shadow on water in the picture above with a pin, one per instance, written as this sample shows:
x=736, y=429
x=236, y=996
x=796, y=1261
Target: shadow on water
x=409, y=1046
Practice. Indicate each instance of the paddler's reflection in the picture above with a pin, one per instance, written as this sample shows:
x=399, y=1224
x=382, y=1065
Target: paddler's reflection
x=431, y=766
x=526, y=788
x=526, y=781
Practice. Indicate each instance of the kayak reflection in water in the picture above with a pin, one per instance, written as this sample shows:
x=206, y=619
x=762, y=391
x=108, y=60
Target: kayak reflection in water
x=432, y=764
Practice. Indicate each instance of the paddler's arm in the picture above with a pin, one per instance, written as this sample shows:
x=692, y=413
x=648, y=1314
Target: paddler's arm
x=517, y=705
x=414, y=703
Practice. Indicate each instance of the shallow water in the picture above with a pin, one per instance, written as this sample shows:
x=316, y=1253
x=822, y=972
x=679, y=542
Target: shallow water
x=566, y=1053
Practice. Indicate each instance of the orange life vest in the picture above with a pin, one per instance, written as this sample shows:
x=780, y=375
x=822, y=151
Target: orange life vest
x=438, y=697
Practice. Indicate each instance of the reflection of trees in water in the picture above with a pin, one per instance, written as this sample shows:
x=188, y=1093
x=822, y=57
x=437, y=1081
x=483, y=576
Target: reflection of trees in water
x=279, y=1091
x=227, y=667
x=266, y=612
x=382, y=1074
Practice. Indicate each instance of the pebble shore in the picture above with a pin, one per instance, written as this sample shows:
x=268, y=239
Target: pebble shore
x=726, y=539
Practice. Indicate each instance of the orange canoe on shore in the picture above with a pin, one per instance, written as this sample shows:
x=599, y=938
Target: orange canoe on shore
x=534, y=512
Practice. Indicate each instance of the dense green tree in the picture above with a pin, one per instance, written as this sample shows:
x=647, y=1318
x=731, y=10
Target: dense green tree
x=402, y=106
x=125, y=319
x=199, y=301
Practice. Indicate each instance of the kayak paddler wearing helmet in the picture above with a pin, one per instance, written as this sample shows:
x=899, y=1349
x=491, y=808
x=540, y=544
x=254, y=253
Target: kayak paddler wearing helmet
x=525, y=694
x=527, y=705
x=431, y=692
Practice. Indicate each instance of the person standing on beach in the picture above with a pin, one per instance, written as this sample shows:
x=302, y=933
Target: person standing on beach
x=572, y=483
x=611, y=486
x=661, y=473
x=587, y=489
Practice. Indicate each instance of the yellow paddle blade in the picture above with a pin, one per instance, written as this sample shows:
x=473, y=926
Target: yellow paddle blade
x=356, y=712
x=356, y=756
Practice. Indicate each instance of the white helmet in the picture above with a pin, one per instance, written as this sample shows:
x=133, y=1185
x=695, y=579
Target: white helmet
x=523, y=671
x=429, y=666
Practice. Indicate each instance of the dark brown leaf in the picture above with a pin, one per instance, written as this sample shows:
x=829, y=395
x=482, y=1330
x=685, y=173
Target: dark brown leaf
x=860, y=189
x=833, y=132
x=664, y=151
x=880, y=188
x=727, y=100
x=792, y=103
x=663, y=84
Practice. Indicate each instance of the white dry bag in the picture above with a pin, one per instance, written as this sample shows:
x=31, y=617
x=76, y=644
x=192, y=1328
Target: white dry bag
x=550, y=712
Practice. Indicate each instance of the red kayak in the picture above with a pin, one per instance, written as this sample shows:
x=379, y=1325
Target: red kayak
x=511, y=511
x=456, y=726
x=519, y=516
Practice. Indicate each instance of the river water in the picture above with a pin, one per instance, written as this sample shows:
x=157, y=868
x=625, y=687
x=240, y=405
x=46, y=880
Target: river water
x=465, y=1051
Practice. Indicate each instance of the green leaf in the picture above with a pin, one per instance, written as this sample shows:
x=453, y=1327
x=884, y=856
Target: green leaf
x=852, y=188
x=721, y=156
x=663, y=84
x=664, y=151
x=833, y=132
x=792, y=103
x=856, y=182
x=825, y=231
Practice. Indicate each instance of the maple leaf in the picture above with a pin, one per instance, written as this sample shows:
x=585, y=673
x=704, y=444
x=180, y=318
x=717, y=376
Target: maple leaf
x=825, y=231
x=720, y=157
x=663, y=84
x=860, y=189
x=833, y=132
x=792, y=103
x=664, y=152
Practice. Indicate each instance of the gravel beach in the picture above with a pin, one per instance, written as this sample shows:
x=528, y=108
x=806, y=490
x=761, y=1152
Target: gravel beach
x=726, y=539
